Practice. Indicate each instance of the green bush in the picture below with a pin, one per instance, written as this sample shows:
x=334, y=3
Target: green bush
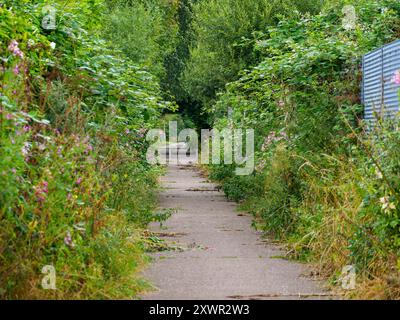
x=329, y=189
x=224, y=34
x=74, y=112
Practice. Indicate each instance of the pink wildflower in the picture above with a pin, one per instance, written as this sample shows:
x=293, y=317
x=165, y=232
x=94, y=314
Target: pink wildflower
x=396, y=78
x=25, y=149
x=15, y=50
x=30, y=43
x=142, y=132
x=273, y=137
x=79, y=181
x=45, y=185
x=41, y=191
x=89, y=148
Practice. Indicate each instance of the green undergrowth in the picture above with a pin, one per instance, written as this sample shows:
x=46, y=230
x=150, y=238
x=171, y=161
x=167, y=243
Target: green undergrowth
x=76, y=190
x=323, y=185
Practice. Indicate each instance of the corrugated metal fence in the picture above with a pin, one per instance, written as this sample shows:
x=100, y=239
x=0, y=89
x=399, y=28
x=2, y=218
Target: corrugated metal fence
x=379, y=95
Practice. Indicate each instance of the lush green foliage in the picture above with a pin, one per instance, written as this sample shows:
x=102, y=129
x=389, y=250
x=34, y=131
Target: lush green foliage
x=146, y=31
x=74, y=182
x=224, y=33
x=76, y=102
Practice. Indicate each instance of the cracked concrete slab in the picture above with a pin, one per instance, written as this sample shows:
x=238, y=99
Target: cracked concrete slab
x=223, y=257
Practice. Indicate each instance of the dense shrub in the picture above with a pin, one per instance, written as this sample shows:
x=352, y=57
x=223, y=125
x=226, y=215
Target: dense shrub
x=145, y=31
x=224, y=32
x=75, y=186
x=77, y=101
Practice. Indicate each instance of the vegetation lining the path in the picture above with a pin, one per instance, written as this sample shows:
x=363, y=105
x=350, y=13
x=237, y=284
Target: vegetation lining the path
x=75, y=187
x=322, y=185
x=77, y=101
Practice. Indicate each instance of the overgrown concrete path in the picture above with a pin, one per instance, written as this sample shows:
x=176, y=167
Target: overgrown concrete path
x=219, y=255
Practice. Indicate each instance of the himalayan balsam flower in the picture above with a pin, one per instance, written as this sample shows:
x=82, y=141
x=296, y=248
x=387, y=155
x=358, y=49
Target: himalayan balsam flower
x=79, y=181
x=45, y=184
x=16, y=70
x=41, y=191
x=68, y=240
x=396, y=78
x=89, y=148
x=15, y=50
x=142, y=132
x=25, y=149
x=272, y=138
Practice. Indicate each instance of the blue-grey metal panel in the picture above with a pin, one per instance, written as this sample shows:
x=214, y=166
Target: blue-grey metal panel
x=378, y=93
x=372, y=82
